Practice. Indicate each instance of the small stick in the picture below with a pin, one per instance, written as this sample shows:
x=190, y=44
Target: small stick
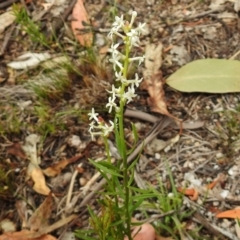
x=7, y=3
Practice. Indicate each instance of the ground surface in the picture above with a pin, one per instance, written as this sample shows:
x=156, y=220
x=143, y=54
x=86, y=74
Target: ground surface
x=56, y=111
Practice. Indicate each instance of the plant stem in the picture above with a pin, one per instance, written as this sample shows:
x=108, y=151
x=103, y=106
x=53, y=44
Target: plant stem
x=123, y=146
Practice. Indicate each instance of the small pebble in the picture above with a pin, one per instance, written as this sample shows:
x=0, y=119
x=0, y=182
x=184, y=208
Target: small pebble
x=191, y=165
x=224, y=193
x=226, y=223
x=157, y=156
x=196, y=144
x=219, y=155
x=233, y=171
x=82, y=181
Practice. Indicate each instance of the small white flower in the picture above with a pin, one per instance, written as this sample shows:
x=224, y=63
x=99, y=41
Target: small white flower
x=112, y=31
x=115, y=91
x=137, y=81
x=114, y=48
x=130, y=94
x=140, y=59
x=141, y=28
x=95, y=134
x=93, y=115
x=107, y=129
x=115, y=60
x=133, y=38
x=119, y=76
x=111, y=103
x=91, y=128
x=119, y=22
x=134, y=15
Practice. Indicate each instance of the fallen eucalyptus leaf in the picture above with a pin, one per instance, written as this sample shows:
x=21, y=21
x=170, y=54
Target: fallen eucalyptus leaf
x=207, y=75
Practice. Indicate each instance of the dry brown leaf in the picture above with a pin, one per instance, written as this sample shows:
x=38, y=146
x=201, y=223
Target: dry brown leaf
x=40, y=217
x=153, y=60
x=25, y=235
x=191, y=192
x=38, y=178
x=80, y=17
x=55, y=169
x=16, y=150
x=21, y=206
x=156, y=101
x=53, y=227
x=153, y=81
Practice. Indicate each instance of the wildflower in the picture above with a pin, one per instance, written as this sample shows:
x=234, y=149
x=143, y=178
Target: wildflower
x=120, y=64
x=137, y=81
x=115, y=91
x=115, y=30
x=119, y=22
x=133, y=38
x=130, y=94
x=93, y=115
x=91, y=128
x=119, y=77
x=106, y=129
x=111, y=104
x=115, y=60
x=140, y=59
x=134, y=15
x=113, y=49
x=141, y=28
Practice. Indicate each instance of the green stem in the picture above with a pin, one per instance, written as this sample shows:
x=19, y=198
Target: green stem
x=112, y=182
x=107, y=148
x=123, y=145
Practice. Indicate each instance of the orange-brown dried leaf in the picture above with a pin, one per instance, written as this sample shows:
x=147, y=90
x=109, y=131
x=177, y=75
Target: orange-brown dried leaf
x=80, y=18
x=191, y=192
x=221, y=178
x=153, y=81
x=156, y=101
x=40, y=217
x=38, y=178
x=25, y=235
x=235, y=213
x=187, y=192
x=55, y=169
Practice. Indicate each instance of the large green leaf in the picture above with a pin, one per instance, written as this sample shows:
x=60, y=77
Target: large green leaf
x=207, y=75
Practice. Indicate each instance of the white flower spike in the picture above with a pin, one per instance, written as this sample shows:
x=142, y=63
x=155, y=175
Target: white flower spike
x=126, y=91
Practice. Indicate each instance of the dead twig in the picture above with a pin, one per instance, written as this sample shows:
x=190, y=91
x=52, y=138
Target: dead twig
x=7, y=3
x=151, y=118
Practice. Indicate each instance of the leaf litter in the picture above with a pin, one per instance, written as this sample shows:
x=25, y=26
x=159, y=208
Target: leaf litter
x=184, y=32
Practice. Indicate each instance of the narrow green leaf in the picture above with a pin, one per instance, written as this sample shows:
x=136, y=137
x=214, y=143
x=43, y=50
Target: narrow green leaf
x=136, y=205
x=106, y=169
x=207, y=75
